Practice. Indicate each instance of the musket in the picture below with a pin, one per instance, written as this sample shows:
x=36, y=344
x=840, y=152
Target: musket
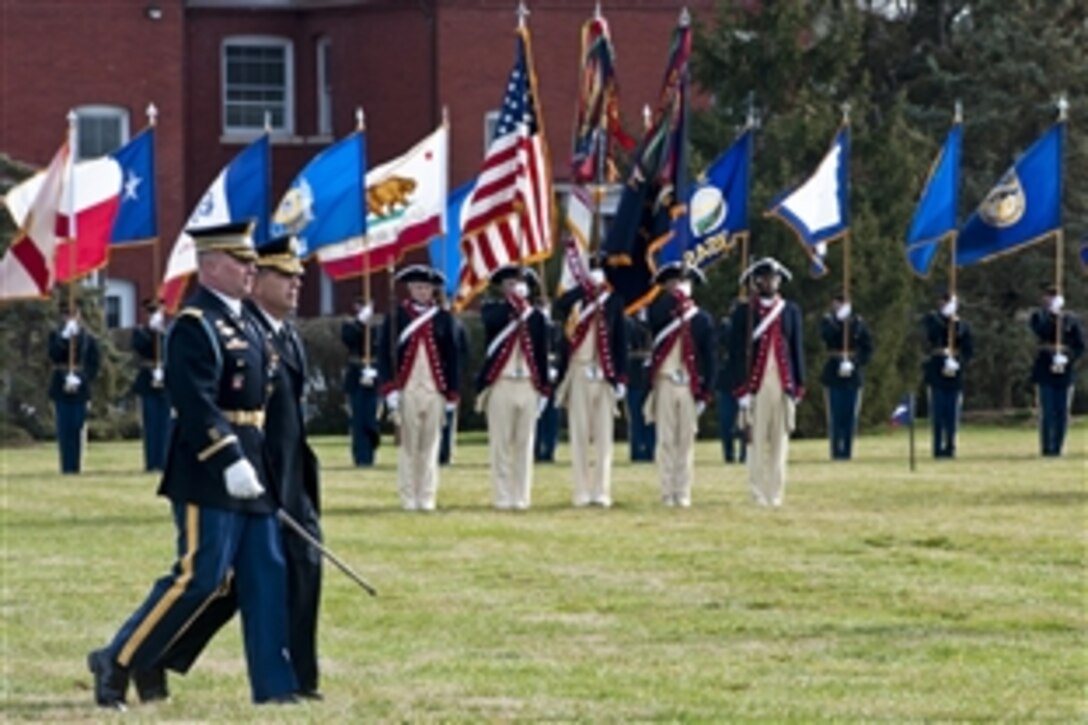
x=309, y=538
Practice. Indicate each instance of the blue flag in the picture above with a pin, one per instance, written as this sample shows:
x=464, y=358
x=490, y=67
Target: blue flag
x=326, y=202
x=1024, y=207
x=1084, y=255
x=136, y=219
x=446, y=250
x=935, y=216
x=818, y=210
x=716, y=211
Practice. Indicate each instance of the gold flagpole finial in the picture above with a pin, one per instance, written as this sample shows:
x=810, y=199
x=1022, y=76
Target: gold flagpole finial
x=523, y=14
x=152, y=114
x=1063, y=107
x=360, y=119
x=685, y=17
x=750, y=117
x=268, y=122
x=597, y=10
x=958, y=117
x=845, y=112
x=72, y=117
x=647, y=117
x=446, y=116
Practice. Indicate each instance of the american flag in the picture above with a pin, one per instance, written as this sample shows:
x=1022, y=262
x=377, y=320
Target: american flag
x=508, y=217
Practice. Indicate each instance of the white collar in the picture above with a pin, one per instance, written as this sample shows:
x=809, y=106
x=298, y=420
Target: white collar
x=233, y=303
x=276, y=325
x=767, y=301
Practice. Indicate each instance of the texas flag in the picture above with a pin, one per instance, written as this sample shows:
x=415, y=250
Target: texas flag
x=406, y=208
x=106, y=200
x=239, y=193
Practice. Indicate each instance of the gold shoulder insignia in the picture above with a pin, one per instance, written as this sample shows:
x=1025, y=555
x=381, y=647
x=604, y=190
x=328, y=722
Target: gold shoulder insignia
x=191, y=312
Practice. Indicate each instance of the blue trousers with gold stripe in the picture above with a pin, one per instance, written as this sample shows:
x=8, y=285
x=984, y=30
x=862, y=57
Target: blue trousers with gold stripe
x=1053, y=417
x=155, y=416
x=843, y=402
x=364, y=415
x=211, y=543
x=71, y=418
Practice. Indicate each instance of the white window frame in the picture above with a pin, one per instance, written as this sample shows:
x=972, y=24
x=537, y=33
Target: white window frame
x=288, y=127
x=125, y=291
x=491, y=122
x=324, y=86
x=103, y=111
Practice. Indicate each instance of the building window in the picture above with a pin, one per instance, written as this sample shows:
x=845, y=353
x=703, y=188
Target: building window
x=324, y=86
x=491, y=122
x=101, y=130
x=258, y=78
x=119, y=301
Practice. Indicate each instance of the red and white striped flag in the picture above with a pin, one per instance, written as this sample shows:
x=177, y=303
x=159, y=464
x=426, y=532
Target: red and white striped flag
x=28, y=268
x=508, y=217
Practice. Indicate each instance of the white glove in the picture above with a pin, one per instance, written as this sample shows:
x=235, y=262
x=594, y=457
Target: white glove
x=745, y=401
x=241, y=480
x=71, y=327
x=846, y=369
x=392, y=401
x=844, y=311
x=521, y=289
x=546, y=311
x=368, y=375
x=157, y=375
x=951, y=366
x=364, y=314
x=1060, y=360
x=949, y=308
x=541, y=405
x=621, y=391
x=72, y=382
x=700, y=406
x=596, y=277
x=553, y=373
x=1056, y=304
x=684, y=287
x=451, y=406
x=157, y=321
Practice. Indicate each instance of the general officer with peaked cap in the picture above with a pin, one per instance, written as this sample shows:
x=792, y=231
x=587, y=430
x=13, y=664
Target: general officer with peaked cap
x=767, y=355
x=682, y=376
x=1060, y=339
x=218, y=481
x=420, y=381
x=150, y=385
x=849, y=350
x=73, y=350
x=512, y=386
x=950, y=346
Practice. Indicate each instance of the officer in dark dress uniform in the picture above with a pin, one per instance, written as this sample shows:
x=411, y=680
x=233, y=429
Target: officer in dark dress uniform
x=1055, y=363
x=734, y=445
x=641, y=435
x=361, y=383
x=150, y=385
x=951, y=347
x=73, y=350
x=218, y=481
x=842, y=374
x=547, y=425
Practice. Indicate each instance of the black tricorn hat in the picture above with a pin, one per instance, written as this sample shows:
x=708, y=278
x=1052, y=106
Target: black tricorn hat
x=421, y=273
x=763, y=267
x=507, y=271
x=678, y=270
x=280, y=254
x=151, y=304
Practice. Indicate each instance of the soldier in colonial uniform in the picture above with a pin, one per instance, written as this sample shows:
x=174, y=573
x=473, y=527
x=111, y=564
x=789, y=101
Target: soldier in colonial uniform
x=734, y=445
x=1059, y=349
x=641, y=434
x=73, y=351
x=951, y=348
x=420, y=382
x=218, y=482
x=682, y=375
x=767, y=354
x=361, y=383
x=849, y=349
x=593, y=365
x=512, y=386
x=150, y=385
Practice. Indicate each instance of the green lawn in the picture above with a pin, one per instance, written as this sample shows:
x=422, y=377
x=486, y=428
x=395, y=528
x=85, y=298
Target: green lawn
x=956, y=592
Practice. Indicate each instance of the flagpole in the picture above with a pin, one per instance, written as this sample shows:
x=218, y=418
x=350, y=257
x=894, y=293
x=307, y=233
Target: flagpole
x=846, y=257
x=152, y=119
x=1059, y=252
x=446, y=235
x=73, y=150
x=360, y=127
x=957, y=119
x=749, y=126
x=910, y=411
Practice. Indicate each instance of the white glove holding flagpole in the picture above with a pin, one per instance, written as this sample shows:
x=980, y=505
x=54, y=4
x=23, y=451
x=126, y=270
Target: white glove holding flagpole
x=365, y=313
x=72, y=382
x=157, y=375
x=241, y=480
x=71, y=327
x=844, y=311
x=951, y=366
x=846, y=369
x=157, y=321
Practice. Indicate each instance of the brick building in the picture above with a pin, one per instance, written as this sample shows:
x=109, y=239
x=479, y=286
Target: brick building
x=213, y=67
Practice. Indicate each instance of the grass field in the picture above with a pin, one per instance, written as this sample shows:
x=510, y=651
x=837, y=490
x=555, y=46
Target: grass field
x=956, y=592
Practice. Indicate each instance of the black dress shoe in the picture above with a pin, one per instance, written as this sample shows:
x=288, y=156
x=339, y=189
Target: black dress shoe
x=280, y=700
x=310, y=694
x=110, y=680
x=151, y=684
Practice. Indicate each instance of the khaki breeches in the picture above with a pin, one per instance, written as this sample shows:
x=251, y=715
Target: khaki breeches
x=511, y=429
x=422, y=414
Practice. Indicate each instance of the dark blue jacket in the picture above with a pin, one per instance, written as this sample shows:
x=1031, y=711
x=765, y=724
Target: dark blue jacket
x=614, y=324
x=1042, y=324
x=936, y=326
x=741, y=345
x=495, y=315
x=860, y=351
x=86, y=364
x=144, y=340
x=445, y=339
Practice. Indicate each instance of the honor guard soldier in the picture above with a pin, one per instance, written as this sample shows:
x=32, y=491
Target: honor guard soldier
x=420, y=382
x=361, y=383
x=217, y=480
x=547, y=425
x=449, y=426
x=150, y=385
x=512, y=386
x=951, y=348
x=849, y=350
x=1059, y=349
x=734, y=445
x=681, y=373
x=73, y=351
x=641, y=434
x=767, y=354
x=593, y=365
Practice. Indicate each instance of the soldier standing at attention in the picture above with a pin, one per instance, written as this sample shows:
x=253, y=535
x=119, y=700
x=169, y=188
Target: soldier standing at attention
x=1055, y=361
x=360, y=384
x=218, y=484
x=73, y=351
x=951, y=348
x=682, y=373
x=641, y=434
x=734, y=445
x=420, y=381
x=150, y=385
x=593, y=358
x=512, y=385
x=767, y=354
x=849, y=349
